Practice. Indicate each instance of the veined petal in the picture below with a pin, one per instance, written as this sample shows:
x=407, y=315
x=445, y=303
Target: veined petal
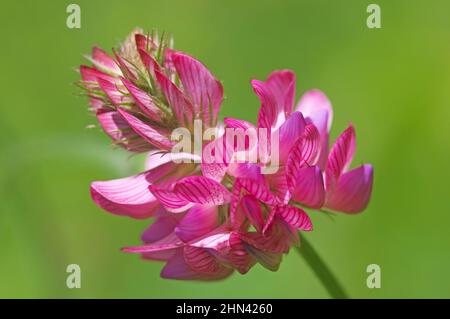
x=289, y=132
x=198, y=221
x=239, y=256
x=308, y=188
x=103, y=60
x=353, y=190
x=282, y=84
x=144, y=42
x=259, y=190
x=155, y=137
x=112, y=92
x=205, y=91
x=118, y=129
x=295, y=217
x=340, y=157
x=304, y=153
x=202, y=190
x=149, y=62
x=144, y=101
x=162, y=227
x=237, y=123
x=170, y=199
x=317, y=109
x=156, y=158
x=267, y=259
x=90, y=75
x=268, y=112
x=180, y=105
x=202, y=261
x=253, y=211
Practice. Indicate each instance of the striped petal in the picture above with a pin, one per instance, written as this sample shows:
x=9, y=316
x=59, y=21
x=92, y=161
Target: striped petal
x=180, y=105
x=129, y=196
x=353, y=190
x=289, y=132
x=103, y=60
x=252, y=210
x=143, y=100
x=308, y=188
x=340, y=157
x=112, y=92
x=205, y=91
x=268, y=112
x=282, y=85
x=198, y=221
x=202, y=190
x=259, y=190
x=295, y=217
x=317, y=109
x=158, y=138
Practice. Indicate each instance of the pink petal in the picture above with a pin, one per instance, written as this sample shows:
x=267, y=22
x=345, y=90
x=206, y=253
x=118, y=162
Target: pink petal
x=282, y=85
x=129, y=196
x=170, y=199
x=162, y=227
x=156, y=158
x=289, y=132
x=202, y=190
x=253, y=211
x=181, y=106
x=295, y=217
x=308, y=188
x=353, y=190
x=113, y=93
x=268, y=112
x=198, y=221
x=340, y=157
x=259, y=190
x=205, y=91
x=105, y=61
x=304, y=153
x=202, y=261
x=239, y=256
x=144, y=42
x=167, y=243
x=118, y=129
x=237, y=123
x=317, y=109
x=126, y=68
x=156, y=137
x=268, y=260
x=149, y=62
x=89, y=74
x=217, y=240
x=144, y=101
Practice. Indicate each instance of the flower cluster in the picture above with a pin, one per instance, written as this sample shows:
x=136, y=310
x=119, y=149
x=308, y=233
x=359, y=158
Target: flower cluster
x=212, y=218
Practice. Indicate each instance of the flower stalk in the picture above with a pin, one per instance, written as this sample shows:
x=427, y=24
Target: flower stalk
x=321, y=270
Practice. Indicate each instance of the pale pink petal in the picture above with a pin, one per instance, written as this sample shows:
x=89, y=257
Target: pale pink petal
x=295, y=217
x=217, y=240
x=180, y=105
x=198, y=221
x=205, y=91
x=340, y=157
x=104, y=61
x=282, y=84
x=129, y=196
x=144, y=101
x=167, y=243
x=156, y=137
x=156, y=158
x=317, y=109
x=353, y=190
x=308, y=188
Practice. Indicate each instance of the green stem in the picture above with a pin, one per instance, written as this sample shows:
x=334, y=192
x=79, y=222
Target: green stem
x=321, y=270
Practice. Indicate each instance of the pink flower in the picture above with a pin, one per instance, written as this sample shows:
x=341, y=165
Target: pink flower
x=147, y=90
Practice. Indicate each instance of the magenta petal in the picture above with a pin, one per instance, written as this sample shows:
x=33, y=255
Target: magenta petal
x=176, y=268
x=295, y=217
x=267, y=259
x=91, y=75
x=205, y=91
x=239, y=256
x=198, y=221
x=112, y=92
x=202, y=190
x=180, y=105
x=253, y=211
x=202, y=261
x=289, y=132
x=353, y=190
x=149, y=62
x=282, y=84
x=143, y=100
x=237, y=123
x=259, y=190
x=340, y=156
x=125, y=196
x=169, y=199
x=268, y=112
x=154, y=136
x=308, y=188
x=118, y=129
x=162, y=227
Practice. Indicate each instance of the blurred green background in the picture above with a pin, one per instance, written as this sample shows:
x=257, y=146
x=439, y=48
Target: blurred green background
x=391, y=83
